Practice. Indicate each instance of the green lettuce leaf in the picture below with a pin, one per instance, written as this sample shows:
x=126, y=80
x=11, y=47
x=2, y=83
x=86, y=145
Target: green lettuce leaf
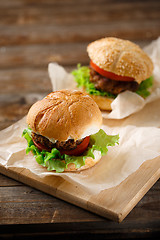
x=81, y=76
x=100, y=141
x=144, y=86
x=55, y=161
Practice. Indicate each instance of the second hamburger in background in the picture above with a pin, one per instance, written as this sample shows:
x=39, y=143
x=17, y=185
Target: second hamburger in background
x=116, y=66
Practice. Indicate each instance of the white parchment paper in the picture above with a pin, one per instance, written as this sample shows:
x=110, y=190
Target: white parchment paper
x=139, y=141
x=126, y=103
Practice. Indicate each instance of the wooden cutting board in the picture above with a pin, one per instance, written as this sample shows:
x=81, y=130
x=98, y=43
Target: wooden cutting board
x=114, y=203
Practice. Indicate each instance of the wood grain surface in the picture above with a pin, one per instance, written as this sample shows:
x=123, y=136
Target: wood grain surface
x=114, y=203
x=33, y=33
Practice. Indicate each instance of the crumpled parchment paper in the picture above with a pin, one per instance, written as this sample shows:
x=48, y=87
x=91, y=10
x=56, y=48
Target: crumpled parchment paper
x=139, y=141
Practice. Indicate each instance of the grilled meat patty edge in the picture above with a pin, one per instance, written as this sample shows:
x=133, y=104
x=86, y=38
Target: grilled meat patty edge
x=70, y=144
x=111, y=86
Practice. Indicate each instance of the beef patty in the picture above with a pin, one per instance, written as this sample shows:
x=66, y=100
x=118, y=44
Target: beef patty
x=111, y=86
x=70, y=144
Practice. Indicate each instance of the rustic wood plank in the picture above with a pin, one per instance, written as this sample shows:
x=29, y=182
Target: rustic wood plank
x=78, y=13
x=26, y=80
x=16, y=202
x=66, y=5
x=24, y=23
x=41, y=55
x=49, y=34
x=16, y=108
x=8, y=182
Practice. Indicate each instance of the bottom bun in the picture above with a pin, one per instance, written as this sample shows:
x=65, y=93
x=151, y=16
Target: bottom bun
x=103, y=103
x=89, y=162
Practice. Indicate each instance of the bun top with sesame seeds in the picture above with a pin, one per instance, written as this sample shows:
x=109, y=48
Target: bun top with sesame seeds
x=121, y=57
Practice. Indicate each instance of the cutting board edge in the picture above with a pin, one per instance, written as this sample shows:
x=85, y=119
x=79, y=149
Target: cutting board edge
x=140, y=194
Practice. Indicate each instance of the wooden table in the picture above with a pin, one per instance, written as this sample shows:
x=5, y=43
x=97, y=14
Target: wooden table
x=32, y=34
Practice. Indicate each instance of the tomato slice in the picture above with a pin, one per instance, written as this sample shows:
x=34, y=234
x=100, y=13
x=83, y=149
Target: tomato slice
x=110, y=75
x=79, y=149
x=75, y=152
x=41, y=146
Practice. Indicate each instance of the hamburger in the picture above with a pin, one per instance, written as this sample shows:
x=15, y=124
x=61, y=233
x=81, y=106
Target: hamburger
x=64, y=132
x=116, y=66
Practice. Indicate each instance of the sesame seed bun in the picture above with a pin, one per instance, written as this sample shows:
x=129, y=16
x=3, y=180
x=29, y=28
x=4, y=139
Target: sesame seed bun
x=121, y=57
x=65, y=114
